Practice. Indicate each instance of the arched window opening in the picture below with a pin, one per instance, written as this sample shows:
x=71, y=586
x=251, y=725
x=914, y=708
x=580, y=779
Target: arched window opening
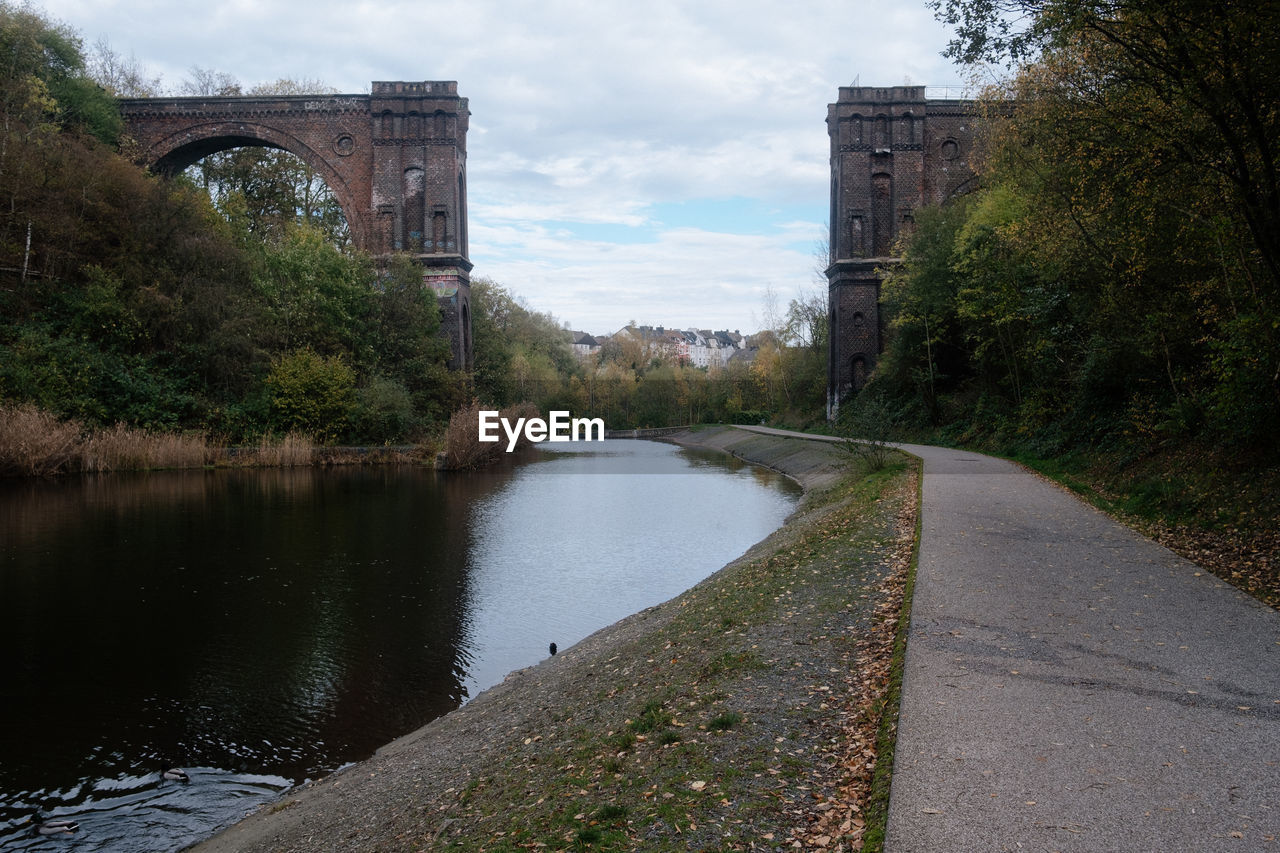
x=413, y=193
x=909, y=129
x=881, y=214
x=462, y=221
x=882, y=138
x=858, y=372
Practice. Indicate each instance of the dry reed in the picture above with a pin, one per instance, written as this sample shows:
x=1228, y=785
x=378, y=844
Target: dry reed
x=125, y=448
x=462, y=446
x=34, y=443
x=292, y=449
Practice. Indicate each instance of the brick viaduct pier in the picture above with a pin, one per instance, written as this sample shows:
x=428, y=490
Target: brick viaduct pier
x=394, y=159
x=892, y=152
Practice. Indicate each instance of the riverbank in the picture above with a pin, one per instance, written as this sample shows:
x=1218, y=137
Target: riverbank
x=735, y=715
x=34, y=443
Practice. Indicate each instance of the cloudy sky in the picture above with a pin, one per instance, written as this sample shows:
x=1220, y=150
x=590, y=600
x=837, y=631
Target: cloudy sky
x=661, y=161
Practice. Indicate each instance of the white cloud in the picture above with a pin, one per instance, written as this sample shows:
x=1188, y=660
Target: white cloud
x=683, y=277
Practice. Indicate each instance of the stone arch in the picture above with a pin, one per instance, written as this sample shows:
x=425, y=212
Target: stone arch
x=171, y=155
x=358, y=145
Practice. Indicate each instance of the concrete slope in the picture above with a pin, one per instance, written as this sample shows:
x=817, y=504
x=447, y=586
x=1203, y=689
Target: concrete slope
x=1072, y=686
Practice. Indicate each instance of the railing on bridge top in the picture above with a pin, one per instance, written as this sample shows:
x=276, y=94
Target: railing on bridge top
x=951, y=93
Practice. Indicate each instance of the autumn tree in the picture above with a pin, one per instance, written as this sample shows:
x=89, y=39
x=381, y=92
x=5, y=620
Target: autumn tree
x=1198, y=82
x=1114, y=279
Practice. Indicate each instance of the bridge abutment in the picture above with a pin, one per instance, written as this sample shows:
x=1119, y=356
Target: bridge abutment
x=893, y=151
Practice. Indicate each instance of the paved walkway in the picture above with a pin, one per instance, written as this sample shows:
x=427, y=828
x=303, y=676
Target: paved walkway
x=1073, y=686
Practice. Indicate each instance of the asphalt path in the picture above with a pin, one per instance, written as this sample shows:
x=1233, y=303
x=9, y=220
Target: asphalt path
x=1073, y=686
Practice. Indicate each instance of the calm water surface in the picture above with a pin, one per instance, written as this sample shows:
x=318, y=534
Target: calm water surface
x=260, y=628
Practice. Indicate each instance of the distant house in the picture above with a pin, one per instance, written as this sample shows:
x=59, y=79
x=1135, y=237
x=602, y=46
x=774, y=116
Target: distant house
x=675, y=343
x=698, y=347
x=584, y=344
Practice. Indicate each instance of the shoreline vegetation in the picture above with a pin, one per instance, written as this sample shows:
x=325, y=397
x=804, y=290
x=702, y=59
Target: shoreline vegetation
x=744, y=714
x=35, y=443
x=463, y=449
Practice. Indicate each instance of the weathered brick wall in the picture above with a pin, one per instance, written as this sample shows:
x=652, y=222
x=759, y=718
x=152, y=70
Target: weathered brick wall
x=395, y=160
x=892, y=152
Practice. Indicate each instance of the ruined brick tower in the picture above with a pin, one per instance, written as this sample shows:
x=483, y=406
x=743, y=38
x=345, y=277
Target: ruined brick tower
x=394, y=159
x=892, y=152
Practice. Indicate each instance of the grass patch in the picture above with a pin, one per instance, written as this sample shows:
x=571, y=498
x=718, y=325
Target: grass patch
x=653, y=718
x=724, y=722
x=621, y=741
x=611, y=812
x=728, y=663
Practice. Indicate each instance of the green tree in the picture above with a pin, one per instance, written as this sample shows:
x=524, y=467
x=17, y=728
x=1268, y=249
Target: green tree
x=1196, y=82
x=45, y=78
x=925, y=350
x=520, y=354
x=312, y=394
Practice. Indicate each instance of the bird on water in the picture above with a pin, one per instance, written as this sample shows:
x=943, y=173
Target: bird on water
x=53, y=826
x=175, y=774
x=553, y=649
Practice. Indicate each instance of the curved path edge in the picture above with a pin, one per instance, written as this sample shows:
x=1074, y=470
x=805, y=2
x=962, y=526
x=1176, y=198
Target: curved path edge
x=1073, y=686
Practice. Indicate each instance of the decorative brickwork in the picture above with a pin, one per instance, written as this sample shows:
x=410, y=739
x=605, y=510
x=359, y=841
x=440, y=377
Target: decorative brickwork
x=892, y=152
x=395, y=160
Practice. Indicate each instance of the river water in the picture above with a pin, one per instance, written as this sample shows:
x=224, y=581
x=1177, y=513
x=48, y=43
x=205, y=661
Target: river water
x=261, y=628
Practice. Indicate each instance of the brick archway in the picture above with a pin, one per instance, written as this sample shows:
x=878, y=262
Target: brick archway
x=186, y=147
x=364, y=146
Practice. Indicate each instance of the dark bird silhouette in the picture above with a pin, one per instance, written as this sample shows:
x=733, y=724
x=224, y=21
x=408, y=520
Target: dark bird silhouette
x=553, y=648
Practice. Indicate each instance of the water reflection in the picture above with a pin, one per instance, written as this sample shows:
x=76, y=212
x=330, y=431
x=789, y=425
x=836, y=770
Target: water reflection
x=264, y=627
